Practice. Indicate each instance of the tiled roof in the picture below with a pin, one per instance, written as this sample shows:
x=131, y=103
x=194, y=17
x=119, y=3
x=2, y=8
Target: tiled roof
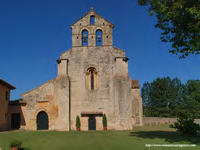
x=135, y=84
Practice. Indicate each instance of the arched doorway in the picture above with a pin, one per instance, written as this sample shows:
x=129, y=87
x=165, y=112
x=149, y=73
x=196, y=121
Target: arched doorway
x=42, y=121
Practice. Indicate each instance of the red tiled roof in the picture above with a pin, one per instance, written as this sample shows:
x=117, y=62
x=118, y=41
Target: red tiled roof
x=135, y=84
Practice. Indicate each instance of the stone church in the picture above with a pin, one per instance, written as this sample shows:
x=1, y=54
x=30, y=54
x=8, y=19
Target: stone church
x=92, y=80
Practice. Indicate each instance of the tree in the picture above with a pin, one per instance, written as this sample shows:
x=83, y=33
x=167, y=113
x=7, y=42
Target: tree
x=192, y=100
x=78, y=123
x=161, y=97
x=179, y=21
x=104, y=121
x=165, y=97
x=185, y=124
x=146, y=89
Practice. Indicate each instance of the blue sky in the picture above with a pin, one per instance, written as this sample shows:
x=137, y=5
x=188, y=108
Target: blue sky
x=33, y=33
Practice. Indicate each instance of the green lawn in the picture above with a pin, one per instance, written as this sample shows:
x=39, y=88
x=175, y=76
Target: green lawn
x=100, y=140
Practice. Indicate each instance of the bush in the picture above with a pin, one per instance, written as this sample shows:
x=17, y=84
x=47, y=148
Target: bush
x=78, y=122
x=185, y=124
x=16, y=143
x=104, y=121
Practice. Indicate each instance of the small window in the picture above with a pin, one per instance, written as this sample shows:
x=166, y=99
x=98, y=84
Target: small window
x=92, y=74
x=92, y=79
x=99, y=37
x=84, y=37
x=92, y=20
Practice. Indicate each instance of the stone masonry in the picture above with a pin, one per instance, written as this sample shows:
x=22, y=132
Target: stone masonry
x=92, y=80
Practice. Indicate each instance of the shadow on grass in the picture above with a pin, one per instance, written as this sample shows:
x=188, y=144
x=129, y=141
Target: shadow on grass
x=168, y=136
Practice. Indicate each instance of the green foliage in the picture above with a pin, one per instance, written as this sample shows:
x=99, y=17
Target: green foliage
x=104, y=120
x=165, y=97
x=179, y=21
x=26, y=148
x=192, y=99
x=15, y=143
x=193, y=88
x=19, y=99
x=161, y=97
x=185, y=124
x=78, y=122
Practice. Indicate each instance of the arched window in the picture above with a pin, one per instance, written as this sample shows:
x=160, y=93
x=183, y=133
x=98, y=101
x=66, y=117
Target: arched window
x=84, y=37
x=99, y=37
x=92, y=71
x=91, y=78
x=92, y=20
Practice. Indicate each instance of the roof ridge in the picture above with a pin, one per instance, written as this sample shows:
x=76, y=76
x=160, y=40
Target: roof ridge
x=3, y=82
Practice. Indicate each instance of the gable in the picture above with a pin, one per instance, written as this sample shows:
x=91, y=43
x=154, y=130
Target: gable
x=99, y=20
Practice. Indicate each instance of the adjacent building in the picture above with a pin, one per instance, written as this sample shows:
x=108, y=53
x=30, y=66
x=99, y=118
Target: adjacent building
x=5, y=89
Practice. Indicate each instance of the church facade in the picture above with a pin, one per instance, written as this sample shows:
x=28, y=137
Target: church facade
x=92, y=80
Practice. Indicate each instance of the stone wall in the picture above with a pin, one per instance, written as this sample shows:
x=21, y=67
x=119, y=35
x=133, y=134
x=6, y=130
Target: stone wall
x=137, y=106
x=52, y=98
x=112, y=95
x=161, y=120
x=84, y=23
x=71, y=94
x=158, y=120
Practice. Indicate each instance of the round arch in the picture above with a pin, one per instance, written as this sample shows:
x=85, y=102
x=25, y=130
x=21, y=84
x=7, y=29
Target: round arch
x=42, y=121
x=99, y=37
x=92, y=20
x=85, y=37
x=84, y=28
x=91, y=78
x=91, y=66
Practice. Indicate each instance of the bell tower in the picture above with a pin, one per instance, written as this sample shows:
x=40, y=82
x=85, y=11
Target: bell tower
x=92, y=30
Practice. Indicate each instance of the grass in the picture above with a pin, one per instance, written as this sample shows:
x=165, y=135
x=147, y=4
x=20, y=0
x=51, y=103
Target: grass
x=100, y=140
